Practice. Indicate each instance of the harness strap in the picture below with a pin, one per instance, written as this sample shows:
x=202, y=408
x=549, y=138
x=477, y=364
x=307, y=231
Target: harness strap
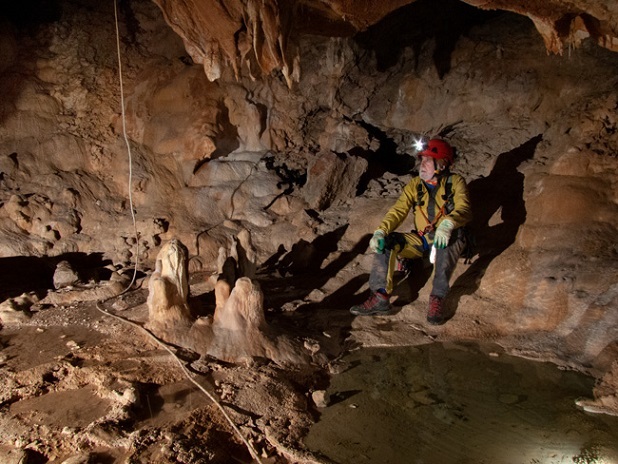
x=431, y=225
x=446, y=208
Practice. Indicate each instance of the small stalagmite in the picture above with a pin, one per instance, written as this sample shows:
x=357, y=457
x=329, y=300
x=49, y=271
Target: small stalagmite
x=240, y=333
x=243, y=309
x=168, y=310
x=239, y=324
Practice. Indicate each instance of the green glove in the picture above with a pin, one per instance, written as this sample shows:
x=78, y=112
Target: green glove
x=377, y=242
x=443, y=233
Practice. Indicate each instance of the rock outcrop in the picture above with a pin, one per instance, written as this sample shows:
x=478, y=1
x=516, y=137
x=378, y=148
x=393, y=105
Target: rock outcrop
x=168, y=293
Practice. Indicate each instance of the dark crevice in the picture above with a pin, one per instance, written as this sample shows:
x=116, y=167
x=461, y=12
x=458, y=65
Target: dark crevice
x=227, y=138
x=24, y=274
x=412, y=26
x=384, y=159
x=290, y=179
x=30, y=13
x=131, y=22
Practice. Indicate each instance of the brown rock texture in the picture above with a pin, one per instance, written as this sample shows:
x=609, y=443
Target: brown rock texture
x=168, y=292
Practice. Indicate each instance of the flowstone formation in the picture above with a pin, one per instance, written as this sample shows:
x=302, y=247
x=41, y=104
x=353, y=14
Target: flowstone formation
x=238, y=331
x=260, y=37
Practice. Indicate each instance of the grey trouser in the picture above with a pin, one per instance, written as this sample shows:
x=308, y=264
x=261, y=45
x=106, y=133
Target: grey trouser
x=411, y=246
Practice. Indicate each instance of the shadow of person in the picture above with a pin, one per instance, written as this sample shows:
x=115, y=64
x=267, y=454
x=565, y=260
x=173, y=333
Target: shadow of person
x=407, y=288
x=307, y=257
x=302, y=271
x=499, y=210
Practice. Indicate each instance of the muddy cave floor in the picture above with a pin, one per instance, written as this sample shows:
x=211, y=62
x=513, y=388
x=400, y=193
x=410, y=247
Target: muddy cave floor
x=76, y=382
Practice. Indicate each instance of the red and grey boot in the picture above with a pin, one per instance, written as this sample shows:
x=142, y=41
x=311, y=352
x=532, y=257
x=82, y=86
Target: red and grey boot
x=436, y=314
x=377, y=303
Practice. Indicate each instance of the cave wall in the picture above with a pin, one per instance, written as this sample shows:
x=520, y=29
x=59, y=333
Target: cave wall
x=289, y=161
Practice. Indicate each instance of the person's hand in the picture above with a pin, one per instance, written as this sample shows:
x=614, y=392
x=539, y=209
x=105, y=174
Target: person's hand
x=443, y=234
x=376, y=244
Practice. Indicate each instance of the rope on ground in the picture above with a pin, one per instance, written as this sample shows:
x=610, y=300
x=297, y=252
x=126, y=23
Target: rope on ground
x=184, y=369
x=99, y=304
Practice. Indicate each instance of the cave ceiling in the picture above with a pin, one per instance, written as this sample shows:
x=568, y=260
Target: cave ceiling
x=260, y=36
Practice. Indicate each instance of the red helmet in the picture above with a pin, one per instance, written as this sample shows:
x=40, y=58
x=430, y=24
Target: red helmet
x=438, y=149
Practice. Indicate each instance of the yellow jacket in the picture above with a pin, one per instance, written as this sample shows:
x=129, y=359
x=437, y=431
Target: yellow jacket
x=460, y=212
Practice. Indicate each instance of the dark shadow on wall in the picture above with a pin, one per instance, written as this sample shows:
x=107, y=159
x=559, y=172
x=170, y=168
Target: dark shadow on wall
x=304, y=261
x=411, y=26
x=19, y=23
x=384, y=159
x=30, y=14
x=499, y=210
x=25, y=274
x=227, y=138
x=292, y=276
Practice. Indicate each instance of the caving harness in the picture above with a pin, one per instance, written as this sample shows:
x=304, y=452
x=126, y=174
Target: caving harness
x=403, y=264
x=446, y=208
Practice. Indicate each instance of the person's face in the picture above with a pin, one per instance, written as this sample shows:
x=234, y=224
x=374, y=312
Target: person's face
x=427, y=169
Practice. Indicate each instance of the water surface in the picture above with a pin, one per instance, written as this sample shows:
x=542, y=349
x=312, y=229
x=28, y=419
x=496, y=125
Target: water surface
x=439, y=404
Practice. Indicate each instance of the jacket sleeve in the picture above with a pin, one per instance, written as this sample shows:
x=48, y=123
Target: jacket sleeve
x=398, y=213
x=462, y=214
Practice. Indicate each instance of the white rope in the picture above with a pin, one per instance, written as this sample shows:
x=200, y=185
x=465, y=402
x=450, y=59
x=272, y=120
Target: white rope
x=126, y=140
x=188, y=375
x=99, y=304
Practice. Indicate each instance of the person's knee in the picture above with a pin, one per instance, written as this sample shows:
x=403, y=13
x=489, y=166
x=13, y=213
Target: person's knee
x=395, y=241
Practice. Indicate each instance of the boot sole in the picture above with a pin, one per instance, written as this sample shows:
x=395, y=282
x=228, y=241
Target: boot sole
x=383, y=312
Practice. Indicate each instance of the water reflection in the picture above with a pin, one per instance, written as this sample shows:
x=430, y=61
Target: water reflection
x=440, y=404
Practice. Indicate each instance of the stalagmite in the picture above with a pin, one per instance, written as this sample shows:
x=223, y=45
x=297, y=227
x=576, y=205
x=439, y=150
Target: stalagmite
x=238, y=331
x=168, y=308
x=239, y=323
x=243, y=310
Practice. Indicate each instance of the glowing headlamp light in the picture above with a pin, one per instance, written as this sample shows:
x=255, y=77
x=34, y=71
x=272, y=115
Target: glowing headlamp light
x=419, y=144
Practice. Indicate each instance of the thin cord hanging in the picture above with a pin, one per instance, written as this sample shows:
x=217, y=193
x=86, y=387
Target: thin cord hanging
x=126, y=140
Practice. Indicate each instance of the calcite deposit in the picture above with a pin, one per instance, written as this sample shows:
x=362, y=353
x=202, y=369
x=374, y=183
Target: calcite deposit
x=237, y=332
x=262, y=36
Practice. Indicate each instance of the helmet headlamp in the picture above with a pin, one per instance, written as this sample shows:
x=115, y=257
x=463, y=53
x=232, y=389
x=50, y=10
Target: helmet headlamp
x=419, y=144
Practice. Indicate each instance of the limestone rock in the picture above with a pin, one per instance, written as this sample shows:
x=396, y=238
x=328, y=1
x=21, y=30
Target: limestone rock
x=14, y=456
x=240, y=333
x=260, y=36
x=64, y=275
x=102, y=291
x=331, y=180
x=17, y=310
x=320, y=398
x=78, y=459
x=243, y=310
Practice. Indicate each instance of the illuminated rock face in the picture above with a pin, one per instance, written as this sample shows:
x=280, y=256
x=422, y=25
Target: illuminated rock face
x=168, y=309
x=239, y=324
x=240, y=333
